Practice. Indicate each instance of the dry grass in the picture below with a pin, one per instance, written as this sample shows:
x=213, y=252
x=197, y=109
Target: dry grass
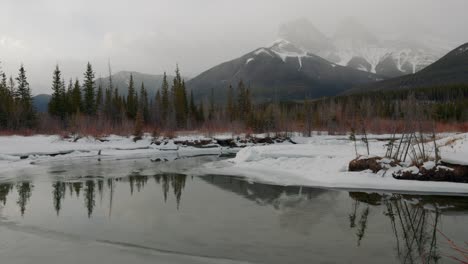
x=86, y=126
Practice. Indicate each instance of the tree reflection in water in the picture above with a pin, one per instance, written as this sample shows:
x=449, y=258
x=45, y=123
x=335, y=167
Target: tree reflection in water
x=58, y=193
x=5, y=189
x=414, y=227
x=24, y=194
x=174, y=180
x=90, y=196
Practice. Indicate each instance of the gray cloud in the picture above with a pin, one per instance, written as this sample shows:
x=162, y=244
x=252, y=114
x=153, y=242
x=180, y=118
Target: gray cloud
x=153, y=35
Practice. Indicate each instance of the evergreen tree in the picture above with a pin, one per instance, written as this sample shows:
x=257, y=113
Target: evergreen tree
x=5, y=99
x=132, y=104
x=25, y=106
x=179, y=100
x=68, y=98
x=117, y=107
x=157, y=107
x=12, y=89
x=89, y=104
x=56, y=104
x=144, y=104
x=184, y=99
x=76, y=100
x=165, y=101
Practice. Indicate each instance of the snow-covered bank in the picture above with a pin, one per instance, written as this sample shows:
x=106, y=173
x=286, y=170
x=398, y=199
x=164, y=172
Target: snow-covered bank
x=323, y=160
x=454, y=149
x=320, y=160
x=18, y=152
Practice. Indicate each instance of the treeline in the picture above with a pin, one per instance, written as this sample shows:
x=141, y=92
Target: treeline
x=89, y=108
x=16, y=107
x=441, y=104
x=172, y=108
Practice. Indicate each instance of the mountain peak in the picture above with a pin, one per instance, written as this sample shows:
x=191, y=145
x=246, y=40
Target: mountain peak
x=305, y=35
x=284, y=48
x=350, y=29
x=462, y=49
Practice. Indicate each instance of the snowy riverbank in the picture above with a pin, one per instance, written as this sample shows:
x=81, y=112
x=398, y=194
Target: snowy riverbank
x=322, y=161
x=18, y=152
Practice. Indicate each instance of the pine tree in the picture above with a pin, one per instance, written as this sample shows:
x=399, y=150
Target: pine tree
x=117, y=109
x=184, y=99
x=132, y=105
x=179, y=100
x=56, y=105
x=25, y=106
x=76, y=100
x=157, y=107
x=89, y=105
x=63, y=102
x=5, y=99
x=68, y=98
x=144, y=105
x=165, y=101
x=12, y=89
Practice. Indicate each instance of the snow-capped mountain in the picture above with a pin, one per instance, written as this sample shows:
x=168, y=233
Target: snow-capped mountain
x=451, y=69
x=355, y=46
x=280, y=71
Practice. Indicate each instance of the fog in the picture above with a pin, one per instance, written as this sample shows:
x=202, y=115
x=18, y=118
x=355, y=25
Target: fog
x=151, y=36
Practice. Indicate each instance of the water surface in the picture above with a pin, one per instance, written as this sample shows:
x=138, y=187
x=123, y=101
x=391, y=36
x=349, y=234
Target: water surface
x=134, y=210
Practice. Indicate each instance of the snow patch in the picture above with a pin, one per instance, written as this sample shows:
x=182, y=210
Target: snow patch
x=362, y=68
x=262, y=51
x=249, y=60
x=429, y=165
x=463, y=49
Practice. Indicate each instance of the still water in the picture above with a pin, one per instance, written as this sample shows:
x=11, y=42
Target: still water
x=136, y=211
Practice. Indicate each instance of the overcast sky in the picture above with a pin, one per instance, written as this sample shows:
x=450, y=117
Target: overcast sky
x=151, y=36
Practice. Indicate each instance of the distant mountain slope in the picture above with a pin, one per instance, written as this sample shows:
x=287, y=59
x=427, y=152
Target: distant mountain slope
x=450, y=69
x=279, y=72
x=122, y=78
x=41, y=102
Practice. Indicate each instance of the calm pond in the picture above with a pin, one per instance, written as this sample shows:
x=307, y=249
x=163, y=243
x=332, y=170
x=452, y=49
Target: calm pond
x=134, y=211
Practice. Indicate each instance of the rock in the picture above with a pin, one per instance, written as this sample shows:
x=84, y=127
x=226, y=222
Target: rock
x=365, y=164
x=226, y=142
